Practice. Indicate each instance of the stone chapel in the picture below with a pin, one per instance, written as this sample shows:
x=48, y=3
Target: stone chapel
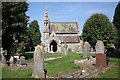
x=56, y=34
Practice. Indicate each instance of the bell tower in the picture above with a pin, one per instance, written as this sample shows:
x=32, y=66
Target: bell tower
x=46, y=26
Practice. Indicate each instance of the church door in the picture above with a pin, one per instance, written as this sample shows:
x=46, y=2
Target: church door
x=53, y=46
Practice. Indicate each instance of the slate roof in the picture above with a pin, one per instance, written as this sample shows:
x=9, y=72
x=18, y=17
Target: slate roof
x=63, y=27
x=69, y=39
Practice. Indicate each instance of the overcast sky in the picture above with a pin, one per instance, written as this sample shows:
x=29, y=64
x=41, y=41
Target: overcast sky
x=69, y=11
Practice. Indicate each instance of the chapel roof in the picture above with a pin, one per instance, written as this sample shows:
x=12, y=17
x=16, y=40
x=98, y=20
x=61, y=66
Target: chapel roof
x=69, y=39
x=64, y=27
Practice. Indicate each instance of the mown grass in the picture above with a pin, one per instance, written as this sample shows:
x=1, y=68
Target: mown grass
x=64, y=64
x=115, y=61
x=49, y=55
x=53, y=67
x=7, y=73
x=111, y=73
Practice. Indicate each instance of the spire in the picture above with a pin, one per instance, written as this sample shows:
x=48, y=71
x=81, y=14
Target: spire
x=46, y=13
x=46, y=21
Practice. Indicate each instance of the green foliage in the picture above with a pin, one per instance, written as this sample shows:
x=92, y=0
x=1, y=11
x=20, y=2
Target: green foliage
x=98, y=27
x=5, y=51
x=116, y=18
x=34, y=33
x=21, y=47
x=14, y=22
x=116, y=22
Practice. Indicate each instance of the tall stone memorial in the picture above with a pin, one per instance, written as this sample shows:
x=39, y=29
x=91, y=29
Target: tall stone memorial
x=38, y=66
x=86, y=50
x=100, y=55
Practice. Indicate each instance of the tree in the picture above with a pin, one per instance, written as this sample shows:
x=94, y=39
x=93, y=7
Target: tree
x=98, y=27
x=116, y=22
x=14, y=22
x=34, y=33
x=116, y=18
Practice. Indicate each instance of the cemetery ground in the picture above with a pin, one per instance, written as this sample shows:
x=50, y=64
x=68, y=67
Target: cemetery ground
x=64, y=64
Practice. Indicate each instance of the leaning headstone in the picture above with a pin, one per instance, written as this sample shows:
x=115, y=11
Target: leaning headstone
x=3, y=60
x=100, y=55
x=38, y=66
x=22, y=60
x=86, y=50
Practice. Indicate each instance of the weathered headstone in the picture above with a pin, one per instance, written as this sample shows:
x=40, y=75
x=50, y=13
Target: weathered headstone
x=22, y=60
x=86, y=50
x=100, y=48
x=38, y=66
x=77, y=49
x=81, y=46
x=65, y=49
x=100, y=56
x=11, y=61
x=3, y=60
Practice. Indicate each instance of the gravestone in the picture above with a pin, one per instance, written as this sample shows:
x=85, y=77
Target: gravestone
x=86, y=50
x=3, y=60
x=38, y=66
x=81, y=46
x=100, y=48
x=11, y=61
x=22, y=60
x=65, y=49
x=100, y=55
x=77, y=49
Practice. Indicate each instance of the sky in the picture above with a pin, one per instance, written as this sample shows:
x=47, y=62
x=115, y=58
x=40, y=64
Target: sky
x=69, y=11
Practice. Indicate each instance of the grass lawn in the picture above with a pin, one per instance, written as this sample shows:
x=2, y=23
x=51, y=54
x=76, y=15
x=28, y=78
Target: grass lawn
x=111, y=73
x=65, y=64
x=7, y=73
x=29, y=56
x=53, y=67
x=115, y=61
